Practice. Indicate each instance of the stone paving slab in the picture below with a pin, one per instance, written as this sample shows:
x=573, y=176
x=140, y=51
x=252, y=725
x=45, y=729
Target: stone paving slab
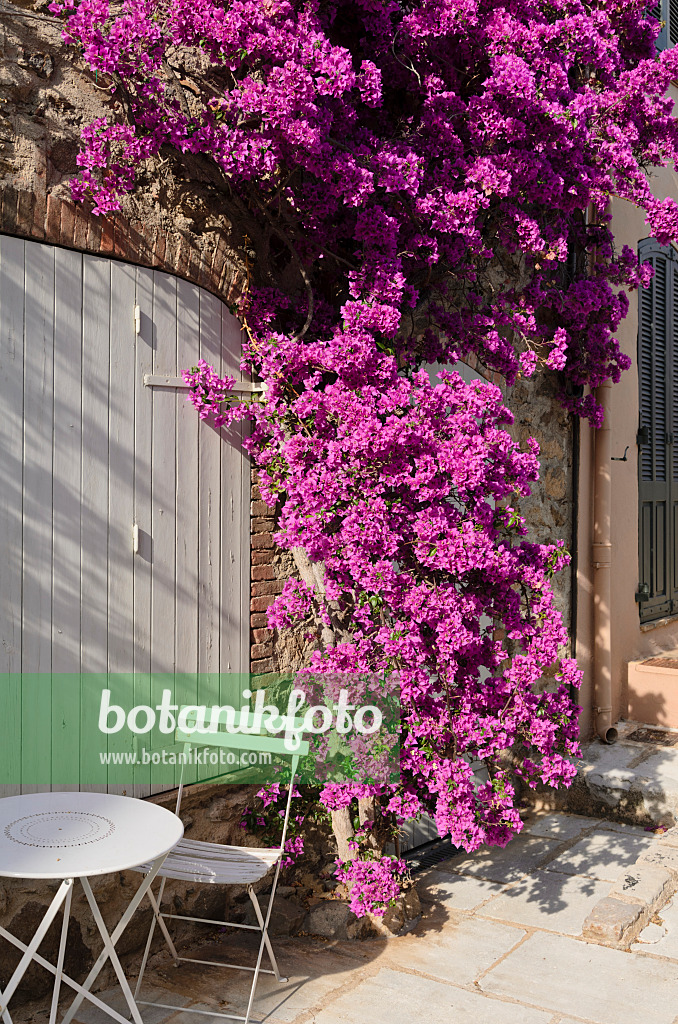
x=314, y=970
x=624, y=828
x=560, y=826
x=90, y=1014
x=573, y=977
x=603, y=855
x=460, y=892
x=651, y=939
x=521, y=856
x=395, y=998
x=460, y=951
x=544, y=899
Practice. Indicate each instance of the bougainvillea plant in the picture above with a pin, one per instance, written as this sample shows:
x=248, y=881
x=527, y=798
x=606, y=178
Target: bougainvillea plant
x=414, y=183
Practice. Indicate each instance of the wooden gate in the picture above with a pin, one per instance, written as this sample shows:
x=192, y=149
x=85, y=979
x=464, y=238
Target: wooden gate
x=124, y=520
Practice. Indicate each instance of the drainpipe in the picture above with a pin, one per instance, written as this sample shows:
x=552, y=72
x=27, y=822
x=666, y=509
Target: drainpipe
x=602, y=551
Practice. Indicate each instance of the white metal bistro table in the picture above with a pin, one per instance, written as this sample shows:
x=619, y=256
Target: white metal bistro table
x=80, y=835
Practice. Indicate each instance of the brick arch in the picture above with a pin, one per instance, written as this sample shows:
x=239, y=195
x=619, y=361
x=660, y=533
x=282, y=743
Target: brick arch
x=204, y=260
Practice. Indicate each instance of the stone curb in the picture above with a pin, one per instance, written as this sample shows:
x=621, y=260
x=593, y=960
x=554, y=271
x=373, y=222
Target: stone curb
x=638, y=894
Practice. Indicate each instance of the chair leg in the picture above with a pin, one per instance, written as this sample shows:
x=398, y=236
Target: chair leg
x=265, y=939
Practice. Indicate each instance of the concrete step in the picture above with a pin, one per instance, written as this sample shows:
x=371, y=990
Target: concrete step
x=634, y=780
x=653, y=690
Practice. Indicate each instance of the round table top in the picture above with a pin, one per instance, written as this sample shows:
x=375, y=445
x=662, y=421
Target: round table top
x=72, y=835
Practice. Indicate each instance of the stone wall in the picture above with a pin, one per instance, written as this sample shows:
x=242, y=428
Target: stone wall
x=47, y=95
x=549, y=510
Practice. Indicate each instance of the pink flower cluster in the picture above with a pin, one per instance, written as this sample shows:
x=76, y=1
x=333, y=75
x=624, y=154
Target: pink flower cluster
x=208, y=393
x=373, y=885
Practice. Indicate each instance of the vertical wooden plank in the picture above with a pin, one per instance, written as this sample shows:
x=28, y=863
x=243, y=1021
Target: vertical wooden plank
x=143, y=441
x=187, y=517
x=66, y=567
x=11, y=502
x=239, y=465
x=232, y=582
x=231, y=344
x=37, y=515
x=163, y=522
x=186, y=613
x=121, y=508
x=209, y=501
x=245, y=548
x=94, y=529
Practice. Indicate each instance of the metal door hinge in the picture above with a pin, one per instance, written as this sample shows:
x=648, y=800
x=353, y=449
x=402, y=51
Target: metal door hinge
x=160, y=380
x=643, y=592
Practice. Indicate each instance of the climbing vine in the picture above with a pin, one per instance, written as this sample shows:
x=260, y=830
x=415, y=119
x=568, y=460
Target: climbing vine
x=414, y=183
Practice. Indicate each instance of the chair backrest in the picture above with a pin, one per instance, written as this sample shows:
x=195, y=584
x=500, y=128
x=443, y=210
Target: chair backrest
x=249, y=735
x=260, y=741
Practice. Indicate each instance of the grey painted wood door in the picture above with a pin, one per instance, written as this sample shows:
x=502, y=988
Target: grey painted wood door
x=88, y=450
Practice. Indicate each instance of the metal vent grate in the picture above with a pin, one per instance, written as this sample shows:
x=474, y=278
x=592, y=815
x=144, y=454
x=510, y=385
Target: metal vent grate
x=656, y=736
x=429, y=854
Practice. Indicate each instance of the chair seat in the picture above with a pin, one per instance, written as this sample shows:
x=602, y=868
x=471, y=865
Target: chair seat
x=194, y=861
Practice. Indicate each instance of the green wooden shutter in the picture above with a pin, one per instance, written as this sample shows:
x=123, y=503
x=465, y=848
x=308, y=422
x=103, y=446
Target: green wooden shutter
x=673, y=22
x=658, y=477
x=665, y=11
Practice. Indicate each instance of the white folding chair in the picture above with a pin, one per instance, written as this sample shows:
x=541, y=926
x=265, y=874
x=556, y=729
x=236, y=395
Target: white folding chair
x=216, y=864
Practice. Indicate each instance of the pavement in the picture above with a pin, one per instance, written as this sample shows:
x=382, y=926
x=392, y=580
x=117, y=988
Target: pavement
x=499, y=942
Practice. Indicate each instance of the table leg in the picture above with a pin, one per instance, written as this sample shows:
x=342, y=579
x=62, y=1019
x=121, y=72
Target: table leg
x=113, y=939
x=60, y=957
x=109, y=947
x=69, y=981
x=65, y=889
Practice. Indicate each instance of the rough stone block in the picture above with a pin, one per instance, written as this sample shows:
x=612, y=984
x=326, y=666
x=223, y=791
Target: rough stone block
x=332, y=919
x=287, y=916
x=643, y=883
x=670, y=838
x=611, y=919
x=663, y=855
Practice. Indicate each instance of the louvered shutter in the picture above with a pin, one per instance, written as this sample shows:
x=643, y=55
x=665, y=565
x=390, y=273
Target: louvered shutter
x=673, y=22
x=658, y=477
x=665, y=11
